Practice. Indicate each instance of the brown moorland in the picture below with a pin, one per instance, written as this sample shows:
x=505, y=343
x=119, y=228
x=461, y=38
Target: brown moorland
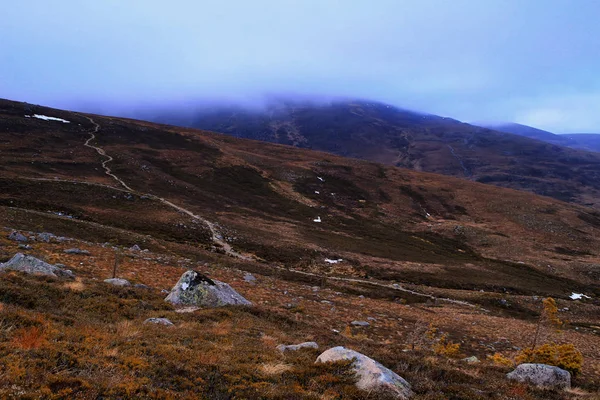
x=417, y=248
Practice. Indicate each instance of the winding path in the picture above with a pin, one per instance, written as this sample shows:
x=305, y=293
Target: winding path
x=216, y=236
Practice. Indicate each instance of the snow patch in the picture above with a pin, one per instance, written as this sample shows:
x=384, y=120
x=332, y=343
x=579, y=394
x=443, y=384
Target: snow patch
x=330, y=261
x=47, y=118
x=317, y=192
x=318, y=219
x=321, y=179
x=578, y=296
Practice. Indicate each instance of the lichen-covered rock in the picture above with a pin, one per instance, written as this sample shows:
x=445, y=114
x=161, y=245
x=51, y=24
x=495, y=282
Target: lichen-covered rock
x=371, y=375
x=542, y=375
x=196, y=289
x=17, y=237
x=35, y=266
x=159, y=321
x=118, y=281
x=294, y=347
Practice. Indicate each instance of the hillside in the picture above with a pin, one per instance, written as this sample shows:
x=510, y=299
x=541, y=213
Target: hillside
x=415, y=248
x=423, y=142
x=585, y=141
x=533, y=133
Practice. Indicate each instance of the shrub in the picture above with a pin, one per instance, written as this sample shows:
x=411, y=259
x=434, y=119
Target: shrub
x=444, y=347
x=29, y=338
x=499, y=359
x=564, y=356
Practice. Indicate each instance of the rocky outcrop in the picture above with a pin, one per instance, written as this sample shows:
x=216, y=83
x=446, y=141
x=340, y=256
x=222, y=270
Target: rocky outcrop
x=371, y=375
x=35, y=266
x=195, y=289
x=542, y=375
x=294, y=347
x=118, y=281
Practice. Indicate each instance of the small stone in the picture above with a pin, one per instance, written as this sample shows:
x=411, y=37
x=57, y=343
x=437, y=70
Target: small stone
x=141, y=286
x=249, y=278
x=25, y=246
x=118, y=282
x=135, y=247
x=159, y=321
x=471, y=360
x=17, y=237
x=77, y=251
x=294, y=347
x=360, y=323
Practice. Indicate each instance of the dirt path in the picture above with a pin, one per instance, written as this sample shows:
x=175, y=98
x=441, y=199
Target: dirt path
x=216, y=236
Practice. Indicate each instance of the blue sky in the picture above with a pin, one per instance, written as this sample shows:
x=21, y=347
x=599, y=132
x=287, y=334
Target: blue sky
x=536, y=62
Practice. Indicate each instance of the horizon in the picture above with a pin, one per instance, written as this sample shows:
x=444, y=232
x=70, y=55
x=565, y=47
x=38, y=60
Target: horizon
x=530, y=62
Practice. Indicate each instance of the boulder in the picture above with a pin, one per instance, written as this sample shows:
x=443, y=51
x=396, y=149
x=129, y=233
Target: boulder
x=371, y=375
x=77, y=251
x=135, y=247
x=118, y=281
x=542, y=375
x=294, y=347
x=45, y=237
x=249, y=278
x=34, y=266
x=159, y=321
x=195, y=289
x=17, y=237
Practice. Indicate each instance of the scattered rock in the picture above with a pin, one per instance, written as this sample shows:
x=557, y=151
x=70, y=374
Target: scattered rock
x=34, y=266
x=165, y=291
x=25, y=246
x=77, y=251
x=360, y=323
x=196, y=289
x=45, y=237
x=135, y=247
x=17, y=237
x=159, y=321
x=294, y=347
x=541, y=375
x=471, y=360
x=141, y=286
x=249, y=278
x=118, y=281
x=372, y=376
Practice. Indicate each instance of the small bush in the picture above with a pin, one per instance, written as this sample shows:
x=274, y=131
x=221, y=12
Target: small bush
x=500, y=360
x=564, y=356
x=29, y=338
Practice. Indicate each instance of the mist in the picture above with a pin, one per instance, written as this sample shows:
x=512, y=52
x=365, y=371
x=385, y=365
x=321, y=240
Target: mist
x=533, y=61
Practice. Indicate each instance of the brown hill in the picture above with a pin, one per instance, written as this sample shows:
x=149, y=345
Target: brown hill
x=423, y=142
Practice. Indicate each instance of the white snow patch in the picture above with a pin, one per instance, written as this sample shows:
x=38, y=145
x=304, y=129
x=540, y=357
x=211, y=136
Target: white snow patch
x=330, y=261
x=317, y=192
x=47, y=118
x=318, y=219
x=577, y=296
x=321, y=179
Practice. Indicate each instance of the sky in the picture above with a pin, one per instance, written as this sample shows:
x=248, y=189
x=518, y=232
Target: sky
x=535, y=62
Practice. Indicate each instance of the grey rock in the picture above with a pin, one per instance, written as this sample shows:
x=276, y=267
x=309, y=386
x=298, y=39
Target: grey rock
x=17, y=237
x=371, y=375
x=294, y=347
x=118, y=281
x=360, y=323
x=165, y=291
x=25, y=246
x=135, y=247
x=159, y=321
x=249, y=278
x=195, y=289
x=77, y=251
x=45, y=237
x=141, y=286
x=541, y=375
x=471, y=360
x=34, y=266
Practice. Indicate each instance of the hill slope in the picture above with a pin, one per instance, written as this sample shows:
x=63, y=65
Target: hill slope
x=385, y=134
x=480, y=255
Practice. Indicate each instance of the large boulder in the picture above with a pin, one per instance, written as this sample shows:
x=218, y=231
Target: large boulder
x=542, y=375
x=195, y=289
x=372, y=376
x=32, y=265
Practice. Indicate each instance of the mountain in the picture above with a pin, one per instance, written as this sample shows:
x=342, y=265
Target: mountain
x=423, y=142
x=330, y=240
x=533, y=133
x=585, y=141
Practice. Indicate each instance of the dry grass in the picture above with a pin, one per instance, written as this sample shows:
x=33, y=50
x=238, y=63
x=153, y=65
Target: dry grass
x=77, y=285
x=275, y=369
